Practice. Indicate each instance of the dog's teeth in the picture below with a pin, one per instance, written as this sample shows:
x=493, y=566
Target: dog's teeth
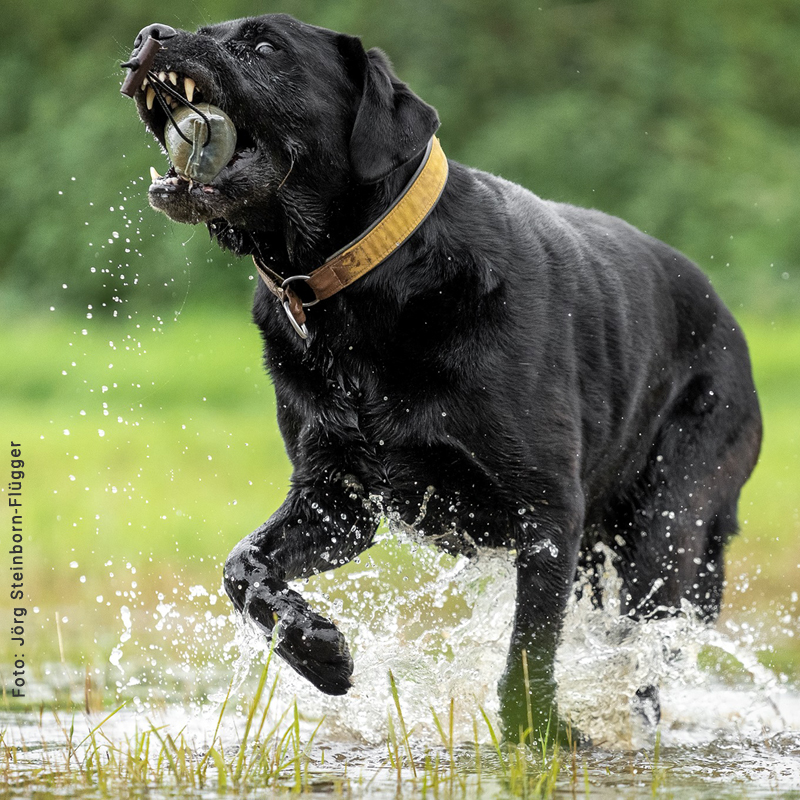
x=145, y=82
x=162, y=76
x=151, y=96
x=173, y=76
x=154, y=176
x=189, y=86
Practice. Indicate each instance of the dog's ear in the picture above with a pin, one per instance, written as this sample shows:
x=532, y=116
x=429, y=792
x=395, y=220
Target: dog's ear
x=392, y=124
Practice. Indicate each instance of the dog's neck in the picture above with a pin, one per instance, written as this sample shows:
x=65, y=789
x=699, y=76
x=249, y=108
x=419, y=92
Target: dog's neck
x=311, y=229
x=376, y=198
x=370, y=249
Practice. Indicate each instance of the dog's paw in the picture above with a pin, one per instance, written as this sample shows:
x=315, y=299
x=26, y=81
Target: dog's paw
x=308, y=642
x=314, y=647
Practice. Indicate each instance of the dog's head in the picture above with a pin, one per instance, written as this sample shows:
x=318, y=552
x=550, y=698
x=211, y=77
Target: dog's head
x=315, y=116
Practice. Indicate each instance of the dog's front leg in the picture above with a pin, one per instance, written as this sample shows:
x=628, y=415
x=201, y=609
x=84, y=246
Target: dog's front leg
x=316, y=529
x=546, y=560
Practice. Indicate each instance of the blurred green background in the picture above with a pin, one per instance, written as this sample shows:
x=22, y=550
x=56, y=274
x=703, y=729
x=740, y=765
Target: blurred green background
x=132, y=375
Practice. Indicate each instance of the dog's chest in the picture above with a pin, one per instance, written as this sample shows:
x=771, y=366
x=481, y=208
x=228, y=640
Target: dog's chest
x=378, y=408
x=385, y=423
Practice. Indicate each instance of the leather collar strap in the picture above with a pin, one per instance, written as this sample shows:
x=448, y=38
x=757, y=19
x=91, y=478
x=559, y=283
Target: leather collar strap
x=373, y=247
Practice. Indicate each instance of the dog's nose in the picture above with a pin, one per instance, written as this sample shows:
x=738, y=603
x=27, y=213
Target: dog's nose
x=157, y=31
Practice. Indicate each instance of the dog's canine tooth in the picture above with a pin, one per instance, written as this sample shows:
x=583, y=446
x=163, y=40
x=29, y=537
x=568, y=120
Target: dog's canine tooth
x=162, y=76
x=151, y=96
x=189, y=86
x=145, y=82
x=173, y=76
x=154, y=176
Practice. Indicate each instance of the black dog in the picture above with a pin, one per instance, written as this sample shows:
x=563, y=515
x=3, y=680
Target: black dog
x=557, y=377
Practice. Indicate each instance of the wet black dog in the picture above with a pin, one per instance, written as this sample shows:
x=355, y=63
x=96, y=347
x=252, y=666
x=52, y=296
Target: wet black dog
x=557, y=377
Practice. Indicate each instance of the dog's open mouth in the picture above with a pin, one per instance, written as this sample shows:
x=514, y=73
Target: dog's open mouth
x=200, y=139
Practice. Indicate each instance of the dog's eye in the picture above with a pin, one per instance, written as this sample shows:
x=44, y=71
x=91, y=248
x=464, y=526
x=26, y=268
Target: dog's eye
x=265, y=47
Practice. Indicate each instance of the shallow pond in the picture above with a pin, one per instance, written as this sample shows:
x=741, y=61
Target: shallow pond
x=730, y=727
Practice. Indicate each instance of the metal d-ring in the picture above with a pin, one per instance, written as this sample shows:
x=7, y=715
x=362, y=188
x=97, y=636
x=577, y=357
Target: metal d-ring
x=301, y=330
x=300, y=278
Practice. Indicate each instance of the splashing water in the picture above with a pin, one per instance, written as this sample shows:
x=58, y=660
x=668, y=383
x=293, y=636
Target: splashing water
x=442, y=625
x=447, y=637
x=605, y=658
x=116, y=654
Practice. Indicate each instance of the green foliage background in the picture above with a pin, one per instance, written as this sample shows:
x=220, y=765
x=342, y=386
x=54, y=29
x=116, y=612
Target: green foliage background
x=682, y=117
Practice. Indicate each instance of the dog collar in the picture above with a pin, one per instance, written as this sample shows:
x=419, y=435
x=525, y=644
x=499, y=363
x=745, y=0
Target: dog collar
x=373, y=247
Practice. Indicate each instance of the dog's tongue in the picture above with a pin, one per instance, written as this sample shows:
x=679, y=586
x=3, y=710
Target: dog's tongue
x=200, y=161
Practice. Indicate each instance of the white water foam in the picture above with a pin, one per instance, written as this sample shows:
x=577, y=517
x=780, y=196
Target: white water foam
x=442, y=626
x=447, y=635
x=605, y=657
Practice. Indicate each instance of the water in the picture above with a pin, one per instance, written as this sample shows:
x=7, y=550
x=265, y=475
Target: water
x=729, y=726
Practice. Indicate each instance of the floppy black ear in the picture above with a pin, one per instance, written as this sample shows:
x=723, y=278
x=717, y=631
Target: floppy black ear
x=392, y=124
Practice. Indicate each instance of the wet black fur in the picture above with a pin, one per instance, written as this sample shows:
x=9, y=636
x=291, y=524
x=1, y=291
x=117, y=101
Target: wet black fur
x=559, y=378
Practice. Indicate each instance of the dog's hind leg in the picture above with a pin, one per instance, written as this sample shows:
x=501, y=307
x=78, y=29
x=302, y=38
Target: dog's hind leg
x=316, y=529
x=670, y=533
x=670, y=530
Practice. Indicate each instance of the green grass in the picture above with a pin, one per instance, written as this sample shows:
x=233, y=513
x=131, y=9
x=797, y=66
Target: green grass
x=273, y=752
x=173, y=454
x=266, y=755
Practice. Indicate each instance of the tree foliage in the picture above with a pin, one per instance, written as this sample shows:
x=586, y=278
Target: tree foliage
x=682, y=117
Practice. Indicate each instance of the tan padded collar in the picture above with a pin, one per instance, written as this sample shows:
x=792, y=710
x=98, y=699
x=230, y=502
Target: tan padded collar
x=376, y=244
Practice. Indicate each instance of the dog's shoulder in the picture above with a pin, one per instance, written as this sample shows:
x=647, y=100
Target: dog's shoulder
x=521, y=212
x=493, y=212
